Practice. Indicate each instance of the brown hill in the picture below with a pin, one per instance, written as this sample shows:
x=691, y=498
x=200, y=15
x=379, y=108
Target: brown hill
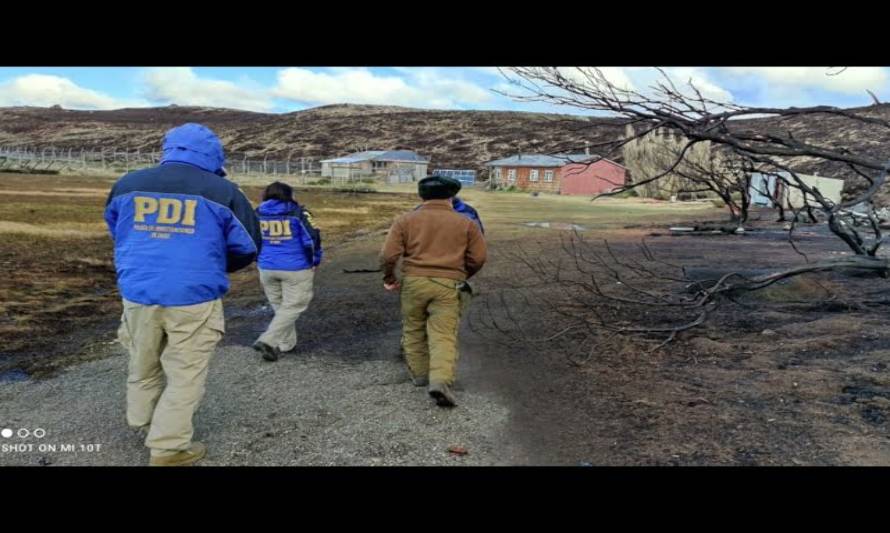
x=461, y=139
x=450, y=138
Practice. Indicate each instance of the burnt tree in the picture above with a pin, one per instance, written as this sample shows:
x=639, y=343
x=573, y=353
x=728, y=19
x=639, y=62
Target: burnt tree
x=603, y=294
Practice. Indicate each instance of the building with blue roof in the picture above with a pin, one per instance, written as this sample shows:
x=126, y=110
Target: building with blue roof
x=395, y=165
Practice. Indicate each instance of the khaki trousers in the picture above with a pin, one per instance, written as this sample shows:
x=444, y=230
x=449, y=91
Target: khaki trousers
x=289, y=292
x=175, y=343
x=431, y=312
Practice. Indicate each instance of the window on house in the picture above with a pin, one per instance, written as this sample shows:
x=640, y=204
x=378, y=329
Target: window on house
x=497, y=173
x=533, y=175
x=548, y=175
x=511, y=175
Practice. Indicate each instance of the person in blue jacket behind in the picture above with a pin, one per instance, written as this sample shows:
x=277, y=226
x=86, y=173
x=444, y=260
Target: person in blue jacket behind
x=291, y=253
x=178, y=229
x=468, y=211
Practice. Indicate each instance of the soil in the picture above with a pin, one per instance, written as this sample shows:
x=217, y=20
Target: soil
x=768, y=384
x=796, y=375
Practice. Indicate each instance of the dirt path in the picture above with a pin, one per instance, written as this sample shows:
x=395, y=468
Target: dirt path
x=344, y=400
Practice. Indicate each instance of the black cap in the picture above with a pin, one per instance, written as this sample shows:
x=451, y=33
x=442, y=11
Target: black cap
x=437, y=187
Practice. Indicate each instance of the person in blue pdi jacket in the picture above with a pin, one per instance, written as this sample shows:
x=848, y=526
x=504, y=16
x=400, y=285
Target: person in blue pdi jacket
x=291, y=253
x=468, y=211
x=178, y=229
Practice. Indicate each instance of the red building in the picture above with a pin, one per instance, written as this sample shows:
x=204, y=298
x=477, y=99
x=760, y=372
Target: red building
x=578, y=174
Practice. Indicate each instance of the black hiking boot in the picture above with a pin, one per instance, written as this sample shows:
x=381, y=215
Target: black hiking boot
x=269, y=353
x=442, y=394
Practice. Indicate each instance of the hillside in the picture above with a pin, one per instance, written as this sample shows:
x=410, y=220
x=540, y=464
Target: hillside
x=457, y=139
x=450, y=138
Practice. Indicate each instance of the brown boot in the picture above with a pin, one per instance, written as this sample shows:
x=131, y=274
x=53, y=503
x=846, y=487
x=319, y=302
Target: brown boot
x=442, y=394
x=195, y=453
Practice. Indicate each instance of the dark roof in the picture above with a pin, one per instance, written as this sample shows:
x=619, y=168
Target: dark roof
x=380, y=155
x=546, y=160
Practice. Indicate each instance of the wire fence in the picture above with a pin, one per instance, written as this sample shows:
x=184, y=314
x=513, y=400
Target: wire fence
x=239, y=167
x=52, y=159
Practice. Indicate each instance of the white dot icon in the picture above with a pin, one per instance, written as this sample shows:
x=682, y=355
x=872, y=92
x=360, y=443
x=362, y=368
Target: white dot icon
x=6, y=433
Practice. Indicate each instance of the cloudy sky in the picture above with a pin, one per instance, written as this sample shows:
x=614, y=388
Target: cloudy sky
x=284, y=89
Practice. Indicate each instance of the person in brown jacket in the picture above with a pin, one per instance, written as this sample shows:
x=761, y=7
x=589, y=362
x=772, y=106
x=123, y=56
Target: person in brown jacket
x=440, y=249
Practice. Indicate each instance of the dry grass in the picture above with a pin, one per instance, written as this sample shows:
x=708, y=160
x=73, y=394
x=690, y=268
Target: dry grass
x=797, y=289
x=57, y=272
x=59, y=192
x=80, y=231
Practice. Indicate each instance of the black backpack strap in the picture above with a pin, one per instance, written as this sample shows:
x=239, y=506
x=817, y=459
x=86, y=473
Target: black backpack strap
x=305, y=218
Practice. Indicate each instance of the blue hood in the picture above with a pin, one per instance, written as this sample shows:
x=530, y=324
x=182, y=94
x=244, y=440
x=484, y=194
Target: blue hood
x=290, y=242
x=271, y=208
x=196, y=145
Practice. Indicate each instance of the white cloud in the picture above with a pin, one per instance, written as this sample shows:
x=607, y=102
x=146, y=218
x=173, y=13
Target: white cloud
x=357, y=86
x=640, y=79
x=582, y=75
x=446, y=83
x=618, y=77
x=418, y=87
x=684, y=76
x=181, y=86
x=853, y=80
x=45, y=90
x=645, y=79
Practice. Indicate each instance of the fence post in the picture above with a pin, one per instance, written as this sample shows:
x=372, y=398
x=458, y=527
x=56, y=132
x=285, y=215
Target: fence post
x=287, y=164
x=244, y=165
x=264, y=163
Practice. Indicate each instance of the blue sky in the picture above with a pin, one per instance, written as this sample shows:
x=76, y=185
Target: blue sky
x=284, y=89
